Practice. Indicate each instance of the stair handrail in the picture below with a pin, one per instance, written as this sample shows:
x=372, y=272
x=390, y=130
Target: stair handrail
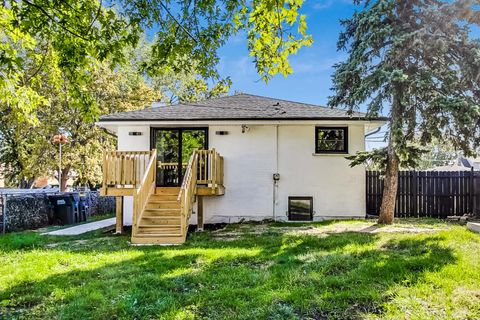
x=146, y=188
x=186, y=196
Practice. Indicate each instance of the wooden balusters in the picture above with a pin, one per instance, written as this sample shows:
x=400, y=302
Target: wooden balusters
x=124, y=168
x=210, y=168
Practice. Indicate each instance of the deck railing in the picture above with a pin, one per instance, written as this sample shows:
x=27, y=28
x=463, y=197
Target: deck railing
x=135, y=173
x=210, y=168
x=170, y=165
x=188, y=190
x=146, y=188
x=124, y=168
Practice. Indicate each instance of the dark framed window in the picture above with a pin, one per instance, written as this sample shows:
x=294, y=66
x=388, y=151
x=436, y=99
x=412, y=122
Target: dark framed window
x=300, y=208
x=331, y=139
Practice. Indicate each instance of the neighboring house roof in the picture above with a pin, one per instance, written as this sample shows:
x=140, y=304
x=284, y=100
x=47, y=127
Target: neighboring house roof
x=238, y=107
x=450, y=168
x=465, y=162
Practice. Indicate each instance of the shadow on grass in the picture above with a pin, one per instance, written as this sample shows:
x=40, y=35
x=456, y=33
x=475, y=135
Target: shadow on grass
x=254, y=277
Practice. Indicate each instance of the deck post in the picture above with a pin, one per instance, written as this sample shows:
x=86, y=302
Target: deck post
x=119, y=214
x=199, y=213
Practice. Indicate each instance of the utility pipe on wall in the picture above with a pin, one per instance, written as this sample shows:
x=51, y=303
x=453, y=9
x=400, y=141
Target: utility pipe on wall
x=276, y=177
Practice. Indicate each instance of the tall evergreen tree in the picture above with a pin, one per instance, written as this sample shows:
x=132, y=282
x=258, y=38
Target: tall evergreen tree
x=416, y=57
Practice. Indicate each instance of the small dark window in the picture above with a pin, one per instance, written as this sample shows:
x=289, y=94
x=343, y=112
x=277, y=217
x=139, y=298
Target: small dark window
x=331, y=140
x=300, y=208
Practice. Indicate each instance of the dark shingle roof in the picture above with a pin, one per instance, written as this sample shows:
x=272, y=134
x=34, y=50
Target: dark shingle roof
x=237, y=107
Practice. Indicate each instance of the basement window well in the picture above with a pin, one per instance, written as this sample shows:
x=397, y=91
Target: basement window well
x=300, y=208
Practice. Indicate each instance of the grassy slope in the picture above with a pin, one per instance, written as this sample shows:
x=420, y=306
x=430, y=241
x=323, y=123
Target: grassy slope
x=271, y=276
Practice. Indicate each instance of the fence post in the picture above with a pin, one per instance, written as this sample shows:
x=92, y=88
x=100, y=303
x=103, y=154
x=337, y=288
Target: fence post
x=4, y=213
x=472, y=192
x=414, y=195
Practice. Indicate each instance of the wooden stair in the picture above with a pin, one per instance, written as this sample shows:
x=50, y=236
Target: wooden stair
x=161, y=220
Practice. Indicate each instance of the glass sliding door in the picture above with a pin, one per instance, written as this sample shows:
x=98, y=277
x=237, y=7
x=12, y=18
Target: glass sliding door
x=167, y=144
x=174, y=148
x=192, y=139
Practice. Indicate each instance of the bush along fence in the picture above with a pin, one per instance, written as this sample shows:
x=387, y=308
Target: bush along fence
x=428, y=193
x=31, y=210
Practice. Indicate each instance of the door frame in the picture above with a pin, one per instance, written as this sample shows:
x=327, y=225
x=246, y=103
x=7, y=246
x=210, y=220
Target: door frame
x=180, y=130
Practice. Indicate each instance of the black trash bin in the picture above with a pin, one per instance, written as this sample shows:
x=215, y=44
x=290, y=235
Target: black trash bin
x=65, y=207
x=83, y=206
x=76, y=200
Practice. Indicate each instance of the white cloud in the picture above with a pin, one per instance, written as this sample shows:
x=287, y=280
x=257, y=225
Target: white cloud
x=314, y=65
x=320, y=5
x=325, y=4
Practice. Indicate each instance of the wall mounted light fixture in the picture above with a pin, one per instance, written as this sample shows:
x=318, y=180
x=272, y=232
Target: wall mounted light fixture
x=245, y=128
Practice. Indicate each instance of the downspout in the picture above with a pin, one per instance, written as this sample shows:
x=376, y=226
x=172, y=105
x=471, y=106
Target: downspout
x=373, y=132
x=275, y=181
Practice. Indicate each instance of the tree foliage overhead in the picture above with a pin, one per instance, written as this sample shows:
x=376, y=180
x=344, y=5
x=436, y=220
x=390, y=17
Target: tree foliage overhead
x=83, y=33
x=186, y=85
x=272, y=37
x=77, y=34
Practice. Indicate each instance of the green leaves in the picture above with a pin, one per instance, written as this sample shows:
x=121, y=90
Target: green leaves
x=410, y=157
x=83, y=33
x=67, y=37
x=271, y=39
x=16, y=50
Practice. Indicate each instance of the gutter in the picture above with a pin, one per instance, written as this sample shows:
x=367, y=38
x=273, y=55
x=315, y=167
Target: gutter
x=108, y=132
x=373, y=132
x=248, y=119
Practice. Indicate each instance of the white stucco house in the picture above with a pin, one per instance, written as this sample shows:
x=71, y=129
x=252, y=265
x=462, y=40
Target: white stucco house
x=282, y=160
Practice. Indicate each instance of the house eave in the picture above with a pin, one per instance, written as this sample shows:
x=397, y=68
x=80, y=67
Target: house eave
x=383, y=119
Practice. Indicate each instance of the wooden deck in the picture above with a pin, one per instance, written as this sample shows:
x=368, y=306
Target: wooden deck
x=161, y=215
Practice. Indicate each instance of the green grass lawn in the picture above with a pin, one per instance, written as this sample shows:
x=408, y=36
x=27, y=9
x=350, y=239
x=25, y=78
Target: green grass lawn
x=334, y=270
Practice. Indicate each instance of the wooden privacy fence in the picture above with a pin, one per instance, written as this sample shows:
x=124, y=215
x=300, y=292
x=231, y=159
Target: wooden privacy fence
x=428, y=193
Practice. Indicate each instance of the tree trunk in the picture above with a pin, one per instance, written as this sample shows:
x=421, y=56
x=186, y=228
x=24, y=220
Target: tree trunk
x=63, y=183
x=387, y=209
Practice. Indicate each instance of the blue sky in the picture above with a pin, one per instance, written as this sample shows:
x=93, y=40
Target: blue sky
x=312, y=66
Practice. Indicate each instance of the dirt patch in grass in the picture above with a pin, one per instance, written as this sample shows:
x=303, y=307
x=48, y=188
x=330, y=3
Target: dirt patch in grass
x=82, y=243
x=323, y=230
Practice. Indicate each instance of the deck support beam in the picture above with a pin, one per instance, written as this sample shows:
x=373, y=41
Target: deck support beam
x=119, y=214
x=200, y=213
